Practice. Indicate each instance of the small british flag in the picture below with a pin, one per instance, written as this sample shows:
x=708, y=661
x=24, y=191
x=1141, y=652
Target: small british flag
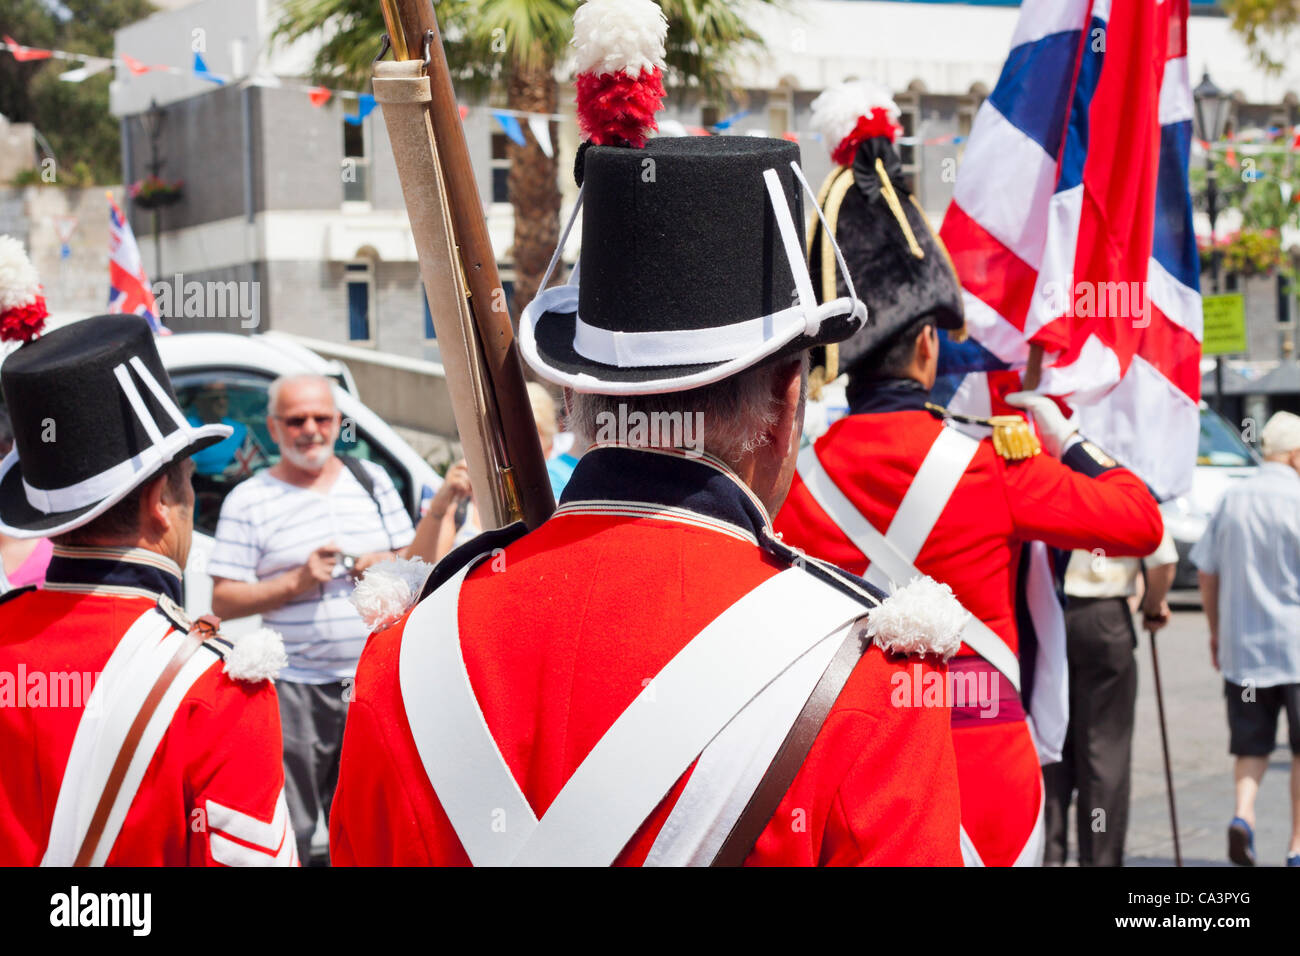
x=128, y=286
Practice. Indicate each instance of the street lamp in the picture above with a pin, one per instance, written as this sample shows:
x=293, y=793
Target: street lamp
x=151, y=121
x=1211, y=117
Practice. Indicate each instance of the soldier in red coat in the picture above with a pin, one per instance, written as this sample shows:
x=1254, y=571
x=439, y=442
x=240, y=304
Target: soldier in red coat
x=651, y=677
x=893, y=490
x=131, y=735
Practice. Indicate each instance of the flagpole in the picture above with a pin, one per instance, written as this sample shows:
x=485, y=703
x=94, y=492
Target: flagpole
x=1164, y=748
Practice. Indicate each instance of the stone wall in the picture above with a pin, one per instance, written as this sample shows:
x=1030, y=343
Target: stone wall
x=79, y=283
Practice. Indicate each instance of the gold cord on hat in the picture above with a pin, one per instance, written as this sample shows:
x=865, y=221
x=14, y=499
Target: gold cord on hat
x=896, y=207
x=830, y=197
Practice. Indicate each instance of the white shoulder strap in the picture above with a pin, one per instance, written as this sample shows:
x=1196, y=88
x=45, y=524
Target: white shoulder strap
x=640, y=758
x=732, y=766
x=930, y=491
x=132, y=670
x=891, y=567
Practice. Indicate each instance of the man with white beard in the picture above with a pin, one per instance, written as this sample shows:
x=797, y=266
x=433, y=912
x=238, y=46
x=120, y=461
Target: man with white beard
x=290, y=543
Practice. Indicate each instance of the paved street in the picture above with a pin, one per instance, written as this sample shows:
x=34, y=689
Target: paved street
x=1202, y=767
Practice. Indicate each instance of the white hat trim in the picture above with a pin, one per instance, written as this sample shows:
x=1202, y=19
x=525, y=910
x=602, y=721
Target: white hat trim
x=161, y=450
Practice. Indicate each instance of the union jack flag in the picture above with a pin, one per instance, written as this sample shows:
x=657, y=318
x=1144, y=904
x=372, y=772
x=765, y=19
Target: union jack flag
x=1071, y=230
x=128, y=287
x=249, y=458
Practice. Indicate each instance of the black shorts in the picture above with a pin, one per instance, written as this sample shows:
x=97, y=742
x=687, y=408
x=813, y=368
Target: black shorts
x=1252, y=717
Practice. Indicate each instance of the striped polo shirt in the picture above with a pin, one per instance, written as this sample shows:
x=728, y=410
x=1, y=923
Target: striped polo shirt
x=268, y=527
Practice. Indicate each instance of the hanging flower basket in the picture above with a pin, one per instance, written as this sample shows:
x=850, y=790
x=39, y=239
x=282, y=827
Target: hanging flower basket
x=1249, y=252
x=153, y=192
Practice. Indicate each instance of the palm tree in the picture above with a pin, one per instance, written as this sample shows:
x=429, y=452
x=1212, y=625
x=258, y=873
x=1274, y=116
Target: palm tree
x=513, y=47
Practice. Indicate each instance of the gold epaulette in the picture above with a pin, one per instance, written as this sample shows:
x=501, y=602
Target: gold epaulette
x=1013, y=439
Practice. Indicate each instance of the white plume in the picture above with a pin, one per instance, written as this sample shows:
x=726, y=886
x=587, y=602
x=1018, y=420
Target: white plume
x=256, y=656
x=19, y=281
x=836, y=111
x=619, y=36
x=922, y=617
x=388, y=590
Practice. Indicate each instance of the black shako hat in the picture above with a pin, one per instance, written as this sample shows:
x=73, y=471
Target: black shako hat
x=898, y=263
x=94, y=416
x=691, y=270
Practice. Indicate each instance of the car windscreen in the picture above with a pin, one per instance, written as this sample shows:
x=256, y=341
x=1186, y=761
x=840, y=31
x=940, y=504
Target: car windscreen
x=239, y=400
x=1220, y=445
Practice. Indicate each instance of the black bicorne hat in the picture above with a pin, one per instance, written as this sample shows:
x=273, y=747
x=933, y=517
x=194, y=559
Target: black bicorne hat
x=897, y=262
x=692, y=269
x=94, y=416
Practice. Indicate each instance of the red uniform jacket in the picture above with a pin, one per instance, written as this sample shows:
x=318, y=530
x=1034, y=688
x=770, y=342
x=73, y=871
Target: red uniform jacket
x=561, y=630
x=211, y=792
x=975, y=548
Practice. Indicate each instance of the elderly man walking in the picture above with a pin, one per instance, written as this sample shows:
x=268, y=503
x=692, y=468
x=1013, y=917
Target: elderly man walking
x=289, y=543
x=1249, y=562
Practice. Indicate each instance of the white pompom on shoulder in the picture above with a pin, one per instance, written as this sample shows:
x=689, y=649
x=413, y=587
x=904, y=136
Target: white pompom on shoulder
x=388, y=590
x=920, y=618
x=257, y=656
x=619, y=36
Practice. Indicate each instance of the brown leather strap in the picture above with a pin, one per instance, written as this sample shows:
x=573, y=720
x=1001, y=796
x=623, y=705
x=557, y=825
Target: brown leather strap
x=189, y=644
x=794, y=749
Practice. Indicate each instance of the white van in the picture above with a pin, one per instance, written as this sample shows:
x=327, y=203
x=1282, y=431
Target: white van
x=1222, y=457
x=245, y=366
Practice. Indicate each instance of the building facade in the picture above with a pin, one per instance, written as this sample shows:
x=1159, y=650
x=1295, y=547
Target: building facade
x=289, y=196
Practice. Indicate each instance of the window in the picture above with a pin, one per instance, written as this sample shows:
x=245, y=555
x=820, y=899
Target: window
x=500, y=168
x=239, y=399
x=966, y=112
x=780, y=108
x=1220, y=445
x=360, y=285
x=909, y=118
x=356, y=164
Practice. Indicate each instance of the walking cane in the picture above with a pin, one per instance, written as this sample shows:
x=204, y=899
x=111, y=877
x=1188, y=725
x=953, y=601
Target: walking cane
x=1164, y=746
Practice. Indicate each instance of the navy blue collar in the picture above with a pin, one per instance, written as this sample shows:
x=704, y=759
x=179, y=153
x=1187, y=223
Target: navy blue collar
x=670, y=479
x=128, y=572
x=887, y=395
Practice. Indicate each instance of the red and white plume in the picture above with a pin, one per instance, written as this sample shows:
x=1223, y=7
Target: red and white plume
x=22, y=307
x=620, y=62
x=852, y=112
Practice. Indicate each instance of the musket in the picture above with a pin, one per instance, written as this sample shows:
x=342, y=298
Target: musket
x=479, y=350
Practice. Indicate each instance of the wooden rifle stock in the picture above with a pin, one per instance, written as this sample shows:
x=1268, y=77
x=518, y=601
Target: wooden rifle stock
x=494, y=390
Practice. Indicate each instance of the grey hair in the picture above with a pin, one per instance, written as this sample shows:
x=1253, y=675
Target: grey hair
x=734, y=415
x=273, y=390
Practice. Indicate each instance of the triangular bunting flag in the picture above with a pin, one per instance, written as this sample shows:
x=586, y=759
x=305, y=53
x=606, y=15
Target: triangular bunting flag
x=134, y=65
x=366, y=103
x=24, y=53
x=510, y=126
x=202, y=72
x=318, y=95
x=89, y=68
x=541, y=130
